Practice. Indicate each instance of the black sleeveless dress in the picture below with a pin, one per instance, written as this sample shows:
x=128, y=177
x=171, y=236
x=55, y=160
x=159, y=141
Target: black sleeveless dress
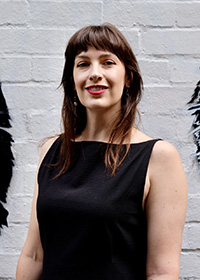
x=92, y=225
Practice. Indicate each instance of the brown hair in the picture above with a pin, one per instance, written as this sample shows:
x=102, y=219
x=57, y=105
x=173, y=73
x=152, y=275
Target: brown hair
x=109, y=38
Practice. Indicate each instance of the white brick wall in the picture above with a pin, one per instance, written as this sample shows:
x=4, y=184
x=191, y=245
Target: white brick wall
x=165, y=36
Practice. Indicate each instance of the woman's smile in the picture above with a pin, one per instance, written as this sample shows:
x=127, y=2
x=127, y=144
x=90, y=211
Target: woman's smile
x=96, y=89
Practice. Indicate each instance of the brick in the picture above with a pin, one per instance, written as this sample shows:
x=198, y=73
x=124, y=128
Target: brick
x=19, y=125
x=29, y=180
x=155, y=14
x=26, y=152
x=187, y=14
x=192, y=164
x=6, y=278
x=112, y=12
x=171, y=42
x=133, y=13
x=7, y=242
x=167, y=127
x=166, y=100
x=154, y=71
x=30, y=125
x=186, y=150
x=132, y=36
x=162, y=117
x=23, y=98
x=42, y=103
x=23, y=181
x=19, y=209
x=191, y=236
x=153, y=125
x=194, y=204
x=33, y=41
x=45, y=124
x=184, y=70
x=17, y=69
x=16, y=184
x=47, y=69
x=8, y=263
x=190, y=265
x=193, y=186
x=13, y=13
x=63, y=13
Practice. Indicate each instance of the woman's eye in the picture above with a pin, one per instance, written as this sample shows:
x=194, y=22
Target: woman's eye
x=82, y=64
x=109, y=62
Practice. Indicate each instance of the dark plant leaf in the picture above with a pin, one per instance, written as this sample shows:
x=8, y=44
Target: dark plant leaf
x=3, y=216
x=4, y=114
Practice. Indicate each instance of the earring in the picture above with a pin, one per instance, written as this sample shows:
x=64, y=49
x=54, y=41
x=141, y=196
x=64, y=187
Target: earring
x=75, y=101
x=75, y=115
x=127, y=92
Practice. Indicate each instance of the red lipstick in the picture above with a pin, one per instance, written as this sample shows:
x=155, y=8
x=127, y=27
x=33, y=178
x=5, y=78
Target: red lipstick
x=96, y=89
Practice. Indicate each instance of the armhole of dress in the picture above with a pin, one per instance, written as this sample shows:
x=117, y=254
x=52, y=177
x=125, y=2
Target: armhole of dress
x=147, y=181
x=44, y=156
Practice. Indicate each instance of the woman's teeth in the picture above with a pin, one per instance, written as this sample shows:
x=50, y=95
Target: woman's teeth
x=96, y=88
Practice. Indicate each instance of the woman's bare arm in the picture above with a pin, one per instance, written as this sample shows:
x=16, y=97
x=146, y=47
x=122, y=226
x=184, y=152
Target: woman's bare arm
x=166, y=206
x=31, y=259
x=30, y=262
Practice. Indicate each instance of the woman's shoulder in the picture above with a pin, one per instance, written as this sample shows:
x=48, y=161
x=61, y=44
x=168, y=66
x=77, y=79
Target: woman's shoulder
x=47, y=144
x=137, y=136
x=163, y=151
x=165, y=163
x=161, y=147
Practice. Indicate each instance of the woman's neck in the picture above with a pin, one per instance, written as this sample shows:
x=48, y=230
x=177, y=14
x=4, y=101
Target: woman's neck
x=98, y=127
x=93, y=132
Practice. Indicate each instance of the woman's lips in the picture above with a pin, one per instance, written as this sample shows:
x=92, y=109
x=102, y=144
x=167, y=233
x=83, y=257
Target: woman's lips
x=95, y=90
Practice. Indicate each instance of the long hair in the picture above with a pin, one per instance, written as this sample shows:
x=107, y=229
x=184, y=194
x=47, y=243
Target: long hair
x=109, y=38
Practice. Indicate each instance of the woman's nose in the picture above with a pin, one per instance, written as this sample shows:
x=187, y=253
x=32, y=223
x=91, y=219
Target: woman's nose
x=95, y=77
x=95, y=74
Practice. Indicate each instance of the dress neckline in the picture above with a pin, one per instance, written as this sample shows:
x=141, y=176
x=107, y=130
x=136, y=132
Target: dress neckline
x=105, y=143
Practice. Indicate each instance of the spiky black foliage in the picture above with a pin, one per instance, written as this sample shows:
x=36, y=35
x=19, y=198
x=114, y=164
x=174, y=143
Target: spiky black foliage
x=6, y=163
x=3, y=216
x=195, y=96
x=4, y=114
x=6, y=157
x=195, y=109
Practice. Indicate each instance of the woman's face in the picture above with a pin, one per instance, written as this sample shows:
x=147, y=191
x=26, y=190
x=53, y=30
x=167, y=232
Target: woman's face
x=99, y=79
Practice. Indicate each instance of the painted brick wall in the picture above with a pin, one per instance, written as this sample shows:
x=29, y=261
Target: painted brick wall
x=165, y=36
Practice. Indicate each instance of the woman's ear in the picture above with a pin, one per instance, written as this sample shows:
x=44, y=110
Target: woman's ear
x=128, y=79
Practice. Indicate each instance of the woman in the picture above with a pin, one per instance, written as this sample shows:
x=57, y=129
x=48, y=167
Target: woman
x=111, y=201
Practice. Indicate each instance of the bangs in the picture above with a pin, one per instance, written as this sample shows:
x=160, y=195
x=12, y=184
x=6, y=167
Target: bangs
x=104, y=37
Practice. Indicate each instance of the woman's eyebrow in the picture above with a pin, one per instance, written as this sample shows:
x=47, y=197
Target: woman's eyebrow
x=86, y=57
x=82, y=56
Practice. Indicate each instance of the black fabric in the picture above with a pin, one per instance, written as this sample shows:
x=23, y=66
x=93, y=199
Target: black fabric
x=92, y=226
